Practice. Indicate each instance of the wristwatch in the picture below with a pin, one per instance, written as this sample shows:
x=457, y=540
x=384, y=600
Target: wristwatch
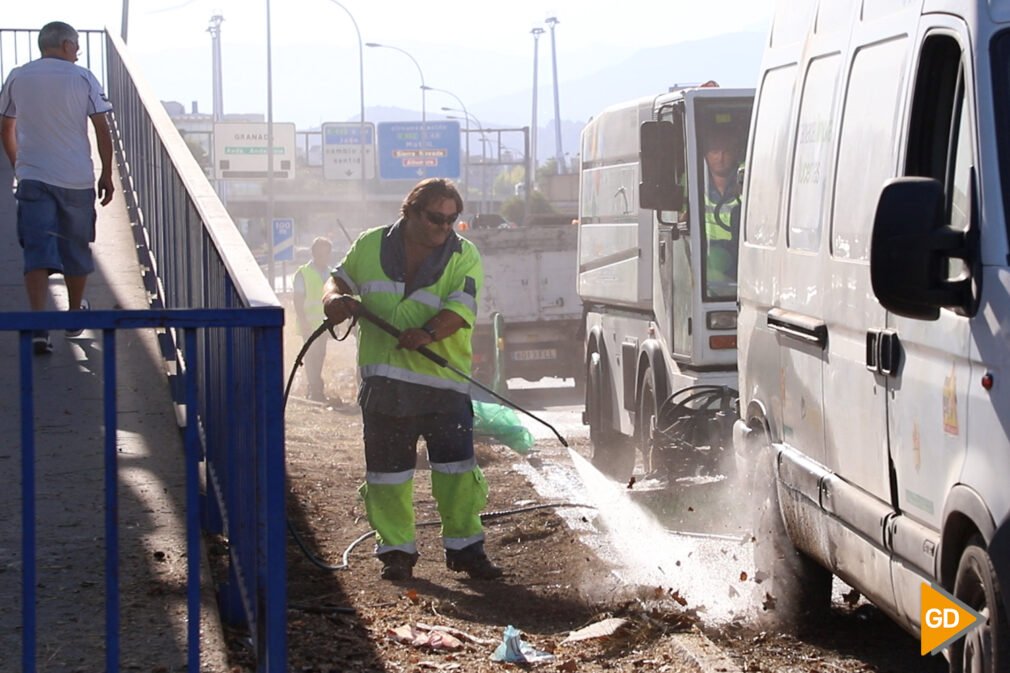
x=431, y=332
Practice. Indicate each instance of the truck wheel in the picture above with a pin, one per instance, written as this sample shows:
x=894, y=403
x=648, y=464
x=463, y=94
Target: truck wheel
x=645, y=424
x=795, y=590
x=613, y=455
x=986, y=648
x=579, y=378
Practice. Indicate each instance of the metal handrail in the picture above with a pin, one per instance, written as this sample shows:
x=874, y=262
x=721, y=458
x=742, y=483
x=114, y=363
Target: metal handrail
x=220, y=331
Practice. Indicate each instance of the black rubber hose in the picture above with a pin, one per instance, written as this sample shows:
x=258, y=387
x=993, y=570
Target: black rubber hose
x=345, y=559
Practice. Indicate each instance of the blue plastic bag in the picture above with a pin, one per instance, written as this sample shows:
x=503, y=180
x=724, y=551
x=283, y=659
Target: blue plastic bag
x=514, y=650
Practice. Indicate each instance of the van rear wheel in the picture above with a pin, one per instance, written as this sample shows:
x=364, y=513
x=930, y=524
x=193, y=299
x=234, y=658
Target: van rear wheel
x=986, y=648
x=613, y=454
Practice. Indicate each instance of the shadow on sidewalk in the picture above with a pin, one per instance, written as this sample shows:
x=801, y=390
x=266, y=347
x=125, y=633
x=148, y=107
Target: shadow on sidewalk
x=70, y=491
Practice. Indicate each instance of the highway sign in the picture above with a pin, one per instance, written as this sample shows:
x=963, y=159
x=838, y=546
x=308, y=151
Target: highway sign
x=240, y=151
x=284, y=239
x=412, y=150
x=342, y=151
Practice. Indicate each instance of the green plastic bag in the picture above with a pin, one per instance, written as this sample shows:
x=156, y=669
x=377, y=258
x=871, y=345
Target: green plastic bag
x=502, y=424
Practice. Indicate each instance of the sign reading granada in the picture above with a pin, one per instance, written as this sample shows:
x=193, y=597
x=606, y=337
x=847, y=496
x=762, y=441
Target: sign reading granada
x=240, y=151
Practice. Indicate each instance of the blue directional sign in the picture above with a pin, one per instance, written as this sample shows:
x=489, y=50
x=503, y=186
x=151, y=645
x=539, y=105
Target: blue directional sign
x=412, y=150
x=284, y=239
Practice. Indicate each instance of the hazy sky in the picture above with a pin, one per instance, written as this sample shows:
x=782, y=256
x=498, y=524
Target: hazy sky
x=457, y=44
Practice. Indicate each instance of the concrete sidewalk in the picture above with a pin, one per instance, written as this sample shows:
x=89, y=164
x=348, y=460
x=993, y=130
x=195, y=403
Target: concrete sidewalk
x=69, y=482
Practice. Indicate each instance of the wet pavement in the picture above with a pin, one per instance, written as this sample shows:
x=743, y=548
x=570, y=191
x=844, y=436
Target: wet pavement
x=689, y=537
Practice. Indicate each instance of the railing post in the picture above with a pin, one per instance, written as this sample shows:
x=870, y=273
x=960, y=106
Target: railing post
x=269, y=365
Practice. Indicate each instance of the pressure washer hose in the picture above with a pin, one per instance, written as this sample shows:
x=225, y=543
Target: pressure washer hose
x=345, y=559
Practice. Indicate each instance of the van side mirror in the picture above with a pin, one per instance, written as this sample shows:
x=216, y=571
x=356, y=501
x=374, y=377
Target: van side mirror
x=660, y=170
x=911, y=248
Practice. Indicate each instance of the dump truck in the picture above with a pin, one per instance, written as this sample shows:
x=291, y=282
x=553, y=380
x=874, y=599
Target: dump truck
x=529, y=317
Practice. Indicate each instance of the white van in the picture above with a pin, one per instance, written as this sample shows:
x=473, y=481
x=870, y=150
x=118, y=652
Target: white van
x=874, y=294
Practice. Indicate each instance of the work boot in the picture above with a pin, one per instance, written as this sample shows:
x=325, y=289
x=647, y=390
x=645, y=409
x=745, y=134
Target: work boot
x=397, y=565
x=473, y=561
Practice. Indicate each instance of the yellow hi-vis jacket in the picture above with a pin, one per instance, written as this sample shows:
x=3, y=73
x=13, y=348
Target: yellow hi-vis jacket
x=312, y=305
x=721, y=263
x=456, y=289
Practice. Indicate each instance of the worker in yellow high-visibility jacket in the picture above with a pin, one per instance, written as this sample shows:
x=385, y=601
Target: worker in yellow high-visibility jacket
x=308, y=290
x=421, y=277
x=722, y=205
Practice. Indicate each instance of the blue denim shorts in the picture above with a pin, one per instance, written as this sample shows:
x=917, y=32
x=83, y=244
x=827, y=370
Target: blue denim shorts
x=56, y=227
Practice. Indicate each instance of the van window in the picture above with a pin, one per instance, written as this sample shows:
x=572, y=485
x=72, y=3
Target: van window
x=960, y=184
x=1001, y=99
x=771, y=134
x=866, y=144
x=812, y=156
x=940, y=141
x=938, y=87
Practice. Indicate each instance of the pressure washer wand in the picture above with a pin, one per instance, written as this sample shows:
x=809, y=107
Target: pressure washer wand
x=389, y=329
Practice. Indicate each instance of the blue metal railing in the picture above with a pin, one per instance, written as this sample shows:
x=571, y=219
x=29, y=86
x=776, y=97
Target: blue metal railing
x=221, y=328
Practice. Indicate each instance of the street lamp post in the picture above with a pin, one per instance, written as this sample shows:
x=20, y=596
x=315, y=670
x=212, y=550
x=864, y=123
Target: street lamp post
x=559, y=153
x=361, y=98
x=483, y=152
x=124, y=28
x=424, y=118
x=537, y=32
x=270, y=153
x=218, y=97
x=466, y=164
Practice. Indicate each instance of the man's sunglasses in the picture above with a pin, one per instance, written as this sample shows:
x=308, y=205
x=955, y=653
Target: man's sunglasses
x=440, y=220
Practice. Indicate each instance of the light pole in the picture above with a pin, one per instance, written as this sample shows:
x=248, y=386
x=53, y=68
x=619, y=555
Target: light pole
x=361, y=96
x=124, y=28
x=466, y=164
x=537, y=32
x=424, y=118
x=483, y=151
x=215, y=39
x=270, y=153
x=558, y=153
x=218, y=95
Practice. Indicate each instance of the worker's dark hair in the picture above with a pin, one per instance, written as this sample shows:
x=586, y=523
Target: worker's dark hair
x=54, y=34
x=427, y=192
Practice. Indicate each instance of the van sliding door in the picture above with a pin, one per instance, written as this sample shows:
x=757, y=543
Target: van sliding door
x=856, y=431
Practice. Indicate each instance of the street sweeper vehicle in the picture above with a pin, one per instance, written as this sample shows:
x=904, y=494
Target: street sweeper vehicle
x=659, y=214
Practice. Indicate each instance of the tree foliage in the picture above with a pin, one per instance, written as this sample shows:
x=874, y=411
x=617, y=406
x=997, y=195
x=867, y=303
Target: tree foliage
x=514, y=208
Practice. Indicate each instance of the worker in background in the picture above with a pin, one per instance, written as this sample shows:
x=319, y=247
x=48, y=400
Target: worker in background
x=722, y=203
x=421, y=277
x=308, y=289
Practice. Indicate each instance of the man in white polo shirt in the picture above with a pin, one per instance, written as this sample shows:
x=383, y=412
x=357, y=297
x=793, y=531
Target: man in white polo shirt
x=44, y=110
